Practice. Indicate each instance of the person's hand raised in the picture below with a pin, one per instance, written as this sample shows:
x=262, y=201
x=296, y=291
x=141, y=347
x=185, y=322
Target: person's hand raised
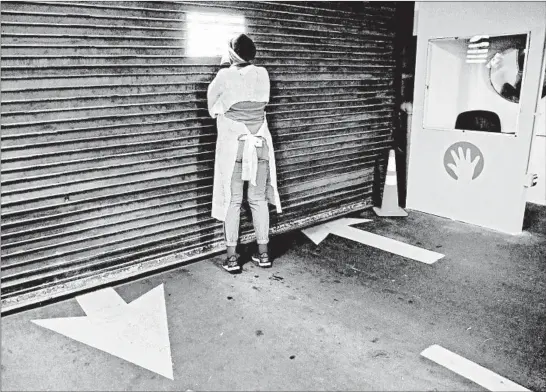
x=225, y=60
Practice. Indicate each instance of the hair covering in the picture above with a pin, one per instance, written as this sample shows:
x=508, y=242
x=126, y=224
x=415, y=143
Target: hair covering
x=243, y=47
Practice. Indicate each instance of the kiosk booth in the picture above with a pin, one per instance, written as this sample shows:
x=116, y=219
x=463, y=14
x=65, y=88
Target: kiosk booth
x=478, y=99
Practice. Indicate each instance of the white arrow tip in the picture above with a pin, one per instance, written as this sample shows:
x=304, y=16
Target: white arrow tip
x=136, y=332
x=318, y=233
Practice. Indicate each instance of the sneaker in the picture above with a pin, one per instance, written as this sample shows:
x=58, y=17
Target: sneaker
x=262, y=259
x=231, y=264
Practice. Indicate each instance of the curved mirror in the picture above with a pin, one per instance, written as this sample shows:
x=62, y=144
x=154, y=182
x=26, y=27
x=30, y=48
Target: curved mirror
x=506, y=71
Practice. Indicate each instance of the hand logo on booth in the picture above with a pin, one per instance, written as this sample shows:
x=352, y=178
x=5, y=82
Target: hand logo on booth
x=463, y=161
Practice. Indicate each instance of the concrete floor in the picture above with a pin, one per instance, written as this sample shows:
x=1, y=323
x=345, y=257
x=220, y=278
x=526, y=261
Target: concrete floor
x=338, y=316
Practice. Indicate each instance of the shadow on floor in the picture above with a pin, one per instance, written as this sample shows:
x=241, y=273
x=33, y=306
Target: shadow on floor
x=534, y=219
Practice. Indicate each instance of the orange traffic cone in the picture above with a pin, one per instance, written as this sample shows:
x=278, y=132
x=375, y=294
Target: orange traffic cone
x=389, y=204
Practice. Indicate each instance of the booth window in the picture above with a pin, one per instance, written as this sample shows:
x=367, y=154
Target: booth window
x=208, y=33
x=474, y=83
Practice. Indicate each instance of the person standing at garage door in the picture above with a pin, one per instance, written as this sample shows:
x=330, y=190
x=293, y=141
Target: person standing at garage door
x=244, y=151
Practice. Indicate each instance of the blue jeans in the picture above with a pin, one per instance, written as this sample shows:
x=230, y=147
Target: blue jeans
x=256, y=200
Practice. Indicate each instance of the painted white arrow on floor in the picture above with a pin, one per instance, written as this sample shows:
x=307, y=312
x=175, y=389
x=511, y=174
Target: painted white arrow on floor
x=136, y=332
x=342, y=227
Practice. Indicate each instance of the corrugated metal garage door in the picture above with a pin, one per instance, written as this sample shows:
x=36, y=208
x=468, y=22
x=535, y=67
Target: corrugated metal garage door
x=107, y=148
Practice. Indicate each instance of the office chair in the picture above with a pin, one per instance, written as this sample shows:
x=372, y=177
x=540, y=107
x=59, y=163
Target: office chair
x=478, y=120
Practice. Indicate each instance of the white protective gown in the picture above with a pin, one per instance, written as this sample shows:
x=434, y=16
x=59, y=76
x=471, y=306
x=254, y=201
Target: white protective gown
x=230, y=86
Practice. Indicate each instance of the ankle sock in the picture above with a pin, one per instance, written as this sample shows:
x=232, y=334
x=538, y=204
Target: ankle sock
x=230, y=251
x=262, y=248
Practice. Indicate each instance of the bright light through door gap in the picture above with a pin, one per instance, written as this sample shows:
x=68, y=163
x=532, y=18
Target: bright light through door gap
x=208, y=34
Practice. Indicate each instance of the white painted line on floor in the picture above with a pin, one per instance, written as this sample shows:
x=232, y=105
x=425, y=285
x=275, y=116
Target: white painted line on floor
x=136, y=332
x=389, y=245
x=342, y=227
x=470, y=370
